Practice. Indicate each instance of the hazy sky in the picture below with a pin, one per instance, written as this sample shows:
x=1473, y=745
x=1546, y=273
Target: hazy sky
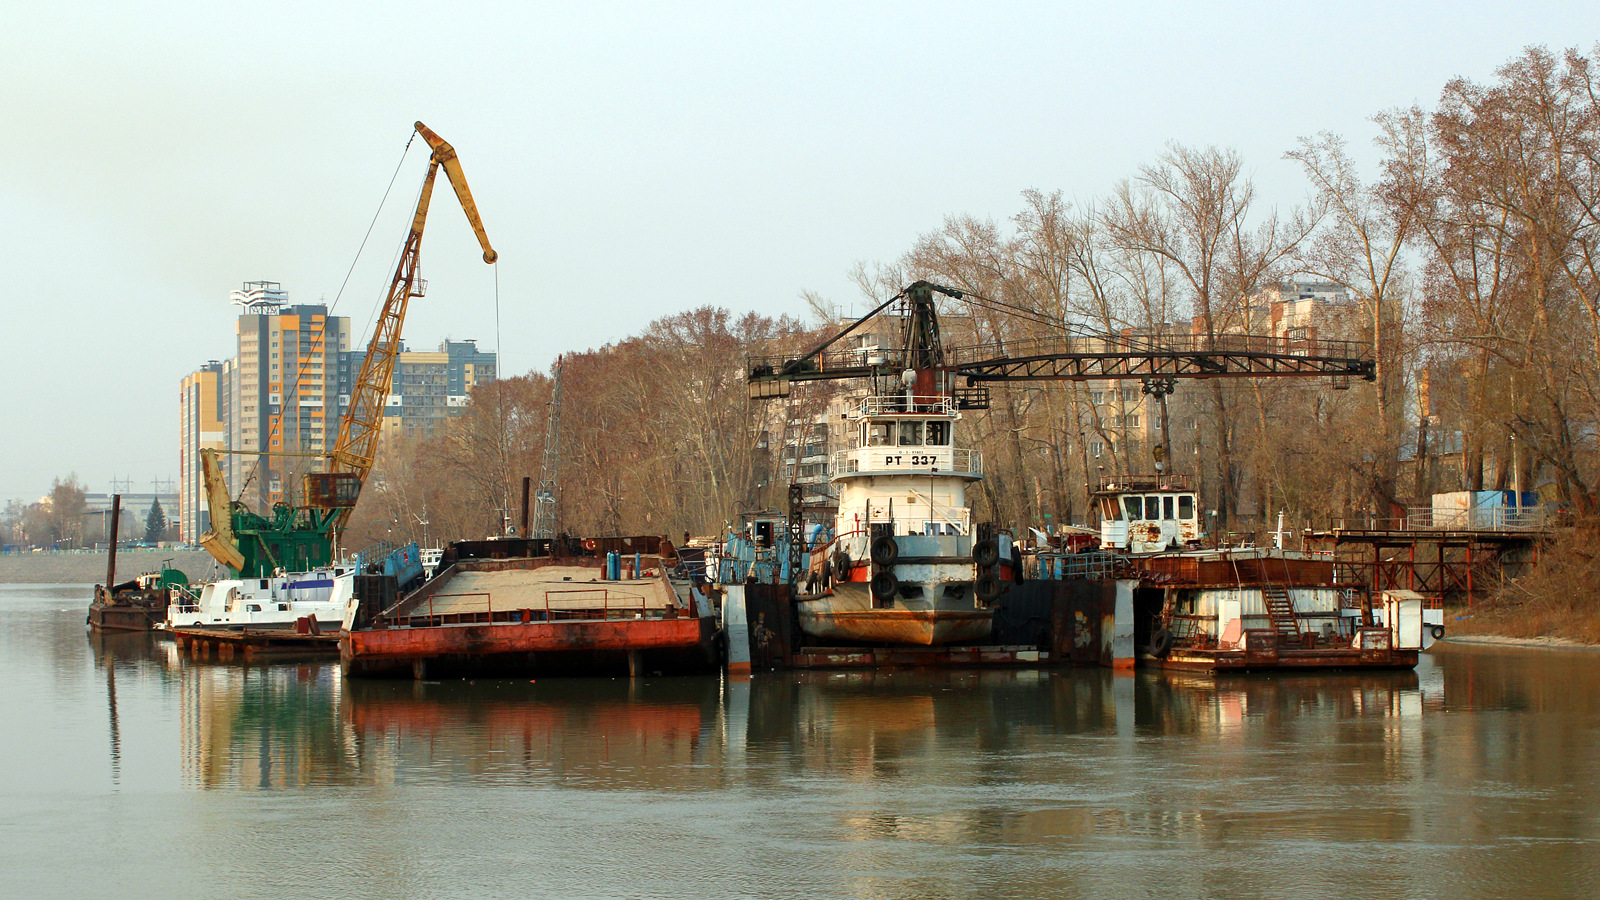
x=629, y=160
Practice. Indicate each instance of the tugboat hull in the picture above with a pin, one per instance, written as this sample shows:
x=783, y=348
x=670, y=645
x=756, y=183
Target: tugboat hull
x=849, y=615
x=127, y=616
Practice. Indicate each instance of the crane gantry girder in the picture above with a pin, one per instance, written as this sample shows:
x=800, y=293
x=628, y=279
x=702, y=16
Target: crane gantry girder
x=1231, y=356
x=1226, y=356
x=1079, y=357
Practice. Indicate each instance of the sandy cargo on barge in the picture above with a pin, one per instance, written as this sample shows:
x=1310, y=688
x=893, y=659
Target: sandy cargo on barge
x=534, y=606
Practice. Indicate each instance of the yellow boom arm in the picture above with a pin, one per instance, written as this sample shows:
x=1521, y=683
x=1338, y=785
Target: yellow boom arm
x=360, y=429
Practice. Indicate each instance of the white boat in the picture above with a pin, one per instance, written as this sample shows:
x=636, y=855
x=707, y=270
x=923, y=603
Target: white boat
x=907, y=565
x=261, y=603
x=287, y=597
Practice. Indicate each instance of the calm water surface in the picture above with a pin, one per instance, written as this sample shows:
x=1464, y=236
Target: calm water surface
x=127, y=773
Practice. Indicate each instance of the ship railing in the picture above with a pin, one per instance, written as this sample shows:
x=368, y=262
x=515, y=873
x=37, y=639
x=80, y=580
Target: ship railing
x=1144, y=483
x=1062, y=566
x=900, y=404
x=567, y=605
x=962, y=461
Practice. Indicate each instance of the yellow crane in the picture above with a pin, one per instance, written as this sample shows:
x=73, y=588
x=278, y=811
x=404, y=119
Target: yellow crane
x=302, y=538
x=362, y=424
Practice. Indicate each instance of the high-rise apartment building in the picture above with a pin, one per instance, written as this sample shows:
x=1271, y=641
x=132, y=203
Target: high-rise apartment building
x=289, y=382
x=202, y=418
x=285, y=391
x=432, y=386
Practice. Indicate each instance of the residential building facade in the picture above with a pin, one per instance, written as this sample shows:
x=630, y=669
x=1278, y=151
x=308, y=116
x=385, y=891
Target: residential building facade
x=284, y=392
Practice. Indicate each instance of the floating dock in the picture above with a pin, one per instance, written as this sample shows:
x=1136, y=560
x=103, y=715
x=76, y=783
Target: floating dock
x=247, y=644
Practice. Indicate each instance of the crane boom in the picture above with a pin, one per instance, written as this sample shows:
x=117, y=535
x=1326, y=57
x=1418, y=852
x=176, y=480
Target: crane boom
x=362, y=424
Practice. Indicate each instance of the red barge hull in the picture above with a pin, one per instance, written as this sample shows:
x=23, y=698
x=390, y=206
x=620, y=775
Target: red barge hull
x=529, y=608
x=634, y=647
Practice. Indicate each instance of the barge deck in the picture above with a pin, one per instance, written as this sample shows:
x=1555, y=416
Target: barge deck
x=490, y=611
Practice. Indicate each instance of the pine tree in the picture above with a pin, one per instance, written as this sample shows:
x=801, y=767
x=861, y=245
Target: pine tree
x=155, y=524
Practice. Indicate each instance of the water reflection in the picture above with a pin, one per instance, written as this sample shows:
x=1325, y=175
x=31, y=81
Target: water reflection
x=602, y=733
x=287, y=725
x=1472, y=775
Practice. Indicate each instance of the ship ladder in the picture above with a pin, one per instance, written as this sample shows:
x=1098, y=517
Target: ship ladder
x=1280, y=609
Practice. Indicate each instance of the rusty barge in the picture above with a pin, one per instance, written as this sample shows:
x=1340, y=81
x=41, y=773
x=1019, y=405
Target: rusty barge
x=534, y=606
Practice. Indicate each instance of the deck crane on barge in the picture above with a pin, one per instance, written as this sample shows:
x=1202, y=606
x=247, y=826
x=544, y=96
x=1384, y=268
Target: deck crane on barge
x=301, y=537
x=909, y=565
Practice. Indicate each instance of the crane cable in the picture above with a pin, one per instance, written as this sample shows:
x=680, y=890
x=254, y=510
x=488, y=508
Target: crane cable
x=322, y=332
x=500, y=396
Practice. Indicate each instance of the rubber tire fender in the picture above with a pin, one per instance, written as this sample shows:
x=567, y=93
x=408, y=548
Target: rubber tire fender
x=986, y=587
x=1161, y=643
x=842, y=564
x=1437, y=631
x=884, y=550
x=1016, y=564
x=986, y=552
x=885, y=585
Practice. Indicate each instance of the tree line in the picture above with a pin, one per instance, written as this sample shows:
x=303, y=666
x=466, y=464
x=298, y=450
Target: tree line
x=1470, y=257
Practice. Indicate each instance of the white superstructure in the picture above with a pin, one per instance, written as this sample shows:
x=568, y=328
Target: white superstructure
x=276, y=602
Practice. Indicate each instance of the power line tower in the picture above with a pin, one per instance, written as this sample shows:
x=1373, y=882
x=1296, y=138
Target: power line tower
x=544, y=509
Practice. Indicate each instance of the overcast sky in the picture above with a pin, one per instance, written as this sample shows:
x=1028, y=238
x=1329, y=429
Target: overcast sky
x=629, y=160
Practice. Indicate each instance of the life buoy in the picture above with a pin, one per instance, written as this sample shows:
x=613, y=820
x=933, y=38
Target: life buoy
x=987, y=587
x=885, y=585
x=589, y=544
x=986, y=552
x=885, y=550
x=1161, y=643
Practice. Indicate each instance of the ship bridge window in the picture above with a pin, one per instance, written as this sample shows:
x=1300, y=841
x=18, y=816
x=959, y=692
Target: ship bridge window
x=910, y=434
x=1166, y=507
x=938, y=433
x=1132, y=505
x=1186, y=506
x=1152, y=508
x=880, y=434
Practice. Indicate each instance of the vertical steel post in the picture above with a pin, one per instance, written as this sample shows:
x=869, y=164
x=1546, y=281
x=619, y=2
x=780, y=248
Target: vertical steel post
x=796, y=534
x=527, y=484
x=111, y=559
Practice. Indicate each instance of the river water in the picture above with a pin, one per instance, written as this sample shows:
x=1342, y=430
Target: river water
x=127, y=773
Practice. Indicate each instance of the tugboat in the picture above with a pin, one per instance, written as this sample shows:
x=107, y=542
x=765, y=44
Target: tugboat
x=907, y=564
x=136, y=605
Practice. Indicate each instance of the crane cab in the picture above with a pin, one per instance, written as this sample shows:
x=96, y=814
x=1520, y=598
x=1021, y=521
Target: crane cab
x=1148, y=514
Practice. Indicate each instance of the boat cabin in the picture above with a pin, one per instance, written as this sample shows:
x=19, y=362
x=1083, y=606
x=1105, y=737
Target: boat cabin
x=905, y=470
x=1148, y=514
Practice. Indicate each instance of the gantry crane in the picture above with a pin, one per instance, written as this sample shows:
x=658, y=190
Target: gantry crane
x=302, y=537
x=927, y=369
x=1081, y=357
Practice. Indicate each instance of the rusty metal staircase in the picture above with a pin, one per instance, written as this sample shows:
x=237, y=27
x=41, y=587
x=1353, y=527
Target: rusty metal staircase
x=1280, y=609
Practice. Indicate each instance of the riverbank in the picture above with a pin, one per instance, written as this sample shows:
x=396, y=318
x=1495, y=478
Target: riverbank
x=90, y=568
x=1527, y=623
x=1500, y=640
